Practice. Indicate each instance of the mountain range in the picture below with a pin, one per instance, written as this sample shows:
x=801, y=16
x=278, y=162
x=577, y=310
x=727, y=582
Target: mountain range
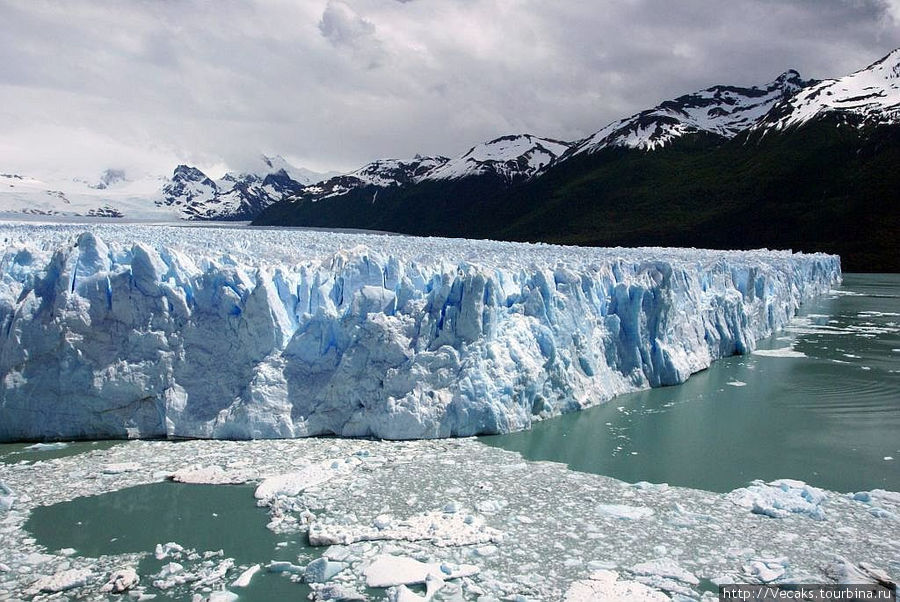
x=805, y=164
x=802, y=164
x=187, y=194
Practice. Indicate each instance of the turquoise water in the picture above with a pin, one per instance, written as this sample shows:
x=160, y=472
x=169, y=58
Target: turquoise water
x=830, y=418
x=203, y=517
x=10, y=453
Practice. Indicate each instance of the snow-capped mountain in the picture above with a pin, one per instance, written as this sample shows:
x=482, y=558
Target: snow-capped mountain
x=189, y=185
x=235, y=196
x=187, y=194
x=511, y=158
x=871, y=95
x=113, y=194
x=721, y=110
x=277, y=164
x=391, y=172
x=815, y=187
x=383, y=173
x=109, y=178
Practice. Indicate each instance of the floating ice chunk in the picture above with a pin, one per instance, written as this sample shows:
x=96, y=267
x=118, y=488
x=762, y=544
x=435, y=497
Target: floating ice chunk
x=781, y=352
x=321, y=570
x=170, y=569
x=845, y=572
x=489, y=506
x=244, y=579
x=403, y=594
x=38, y=447
x=736, y=383
x=781, y=498
x=891, y=498
x=7, y=498
x=881, y=513
x=625, y=512
x=121, y=580
x=222, y=596
x=886, y=496
x=36, y=558
x=292, y=483
x=388, y=571
x=486, y=551
x=682, y=517
x=606, y=586
x=169, y=549
x=666, y=568
x=382, y=521
x=121, y=467
x=209, y=577
x=62, y=581
x=214, y=475
x=765, y=570
x=283, y=566
x=648, y=486
x=438, y=527
x=601, y=565
x=336, y=591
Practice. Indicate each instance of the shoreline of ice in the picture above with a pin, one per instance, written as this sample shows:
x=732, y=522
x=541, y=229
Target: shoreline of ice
x=491, y=525
x=114, y=331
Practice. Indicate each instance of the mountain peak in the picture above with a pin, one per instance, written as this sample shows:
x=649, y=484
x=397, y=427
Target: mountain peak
x=108, y=178
x=885, y=68
x=790, y=80
x=720, y=110
x=891, y=61
x=274, y=165
x=512, y=157
x=189, y=173
x=392, y=172
x=871, y=95
x=789, y=75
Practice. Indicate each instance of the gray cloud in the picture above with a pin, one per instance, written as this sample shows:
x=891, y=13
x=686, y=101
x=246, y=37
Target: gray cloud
x=89, y=85
x=343, y=26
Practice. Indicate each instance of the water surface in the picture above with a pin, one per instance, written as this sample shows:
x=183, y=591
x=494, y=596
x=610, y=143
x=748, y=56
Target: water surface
x=201, y=517
x=11, y=453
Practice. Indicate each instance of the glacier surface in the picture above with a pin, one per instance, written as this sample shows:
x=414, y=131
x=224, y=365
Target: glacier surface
x=168, y=331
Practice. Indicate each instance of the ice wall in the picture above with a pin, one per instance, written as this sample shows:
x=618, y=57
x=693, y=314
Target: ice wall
x=152, y=331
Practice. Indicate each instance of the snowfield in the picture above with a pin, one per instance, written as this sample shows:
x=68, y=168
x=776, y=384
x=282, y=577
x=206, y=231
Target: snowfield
x=166, y=331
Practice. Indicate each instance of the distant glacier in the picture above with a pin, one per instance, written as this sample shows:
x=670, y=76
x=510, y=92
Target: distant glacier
x=165, y=331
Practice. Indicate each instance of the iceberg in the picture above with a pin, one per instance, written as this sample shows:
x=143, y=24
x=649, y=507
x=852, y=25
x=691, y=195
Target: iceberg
x=781, y=498
x=123, y=331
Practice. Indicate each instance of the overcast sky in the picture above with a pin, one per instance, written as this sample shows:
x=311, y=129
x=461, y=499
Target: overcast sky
x=333, y=84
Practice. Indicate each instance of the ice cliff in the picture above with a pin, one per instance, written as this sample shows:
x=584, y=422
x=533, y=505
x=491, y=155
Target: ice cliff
x=152, y=331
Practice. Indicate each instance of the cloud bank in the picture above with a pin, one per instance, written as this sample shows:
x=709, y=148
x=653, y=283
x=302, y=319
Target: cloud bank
x=333, y=84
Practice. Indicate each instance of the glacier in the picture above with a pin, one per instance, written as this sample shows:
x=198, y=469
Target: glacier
x=127, y=330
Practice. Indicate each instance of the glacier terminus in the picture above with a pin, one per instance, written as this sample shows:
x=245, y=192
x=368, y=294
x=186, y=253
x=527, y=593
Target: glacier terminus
x=215, y=332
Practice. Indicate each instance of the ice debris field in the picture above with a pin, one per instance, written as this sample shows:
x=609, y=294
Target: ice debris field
x=446, y=520
x=114, y=331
